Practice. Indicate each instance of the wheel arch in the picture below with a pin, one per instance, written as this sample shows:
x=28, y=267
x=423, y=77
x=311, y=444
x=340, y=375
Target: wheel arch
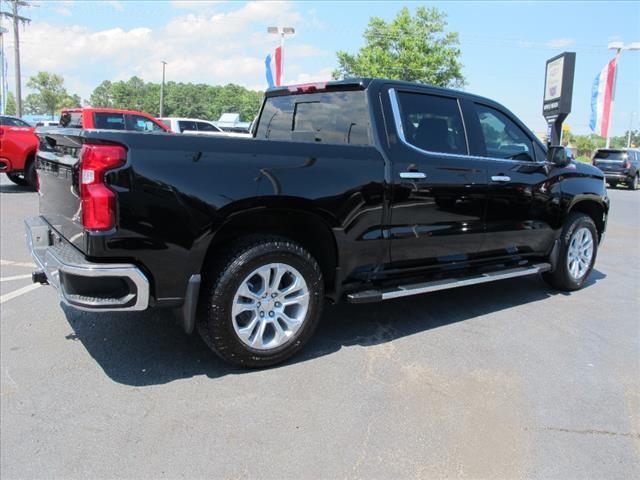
x=594, y=209
x=306, y=227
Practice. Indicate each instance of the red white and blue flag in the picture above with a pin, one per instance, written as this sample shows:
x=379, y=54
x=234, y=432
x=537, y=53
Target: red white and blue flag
x=602, y=98
x=269, y=65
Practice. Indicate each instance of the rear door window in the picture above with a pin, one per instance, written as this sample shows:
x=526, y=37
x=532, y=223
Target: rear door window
x=108, y=121
x=432, y=123
x=144, y=124
x=336, y=118
x=187, y=125
x=206, y=127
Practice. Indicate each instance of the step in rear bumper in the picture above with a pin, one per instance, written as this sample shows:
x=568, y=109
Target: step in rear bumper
x=80, y=283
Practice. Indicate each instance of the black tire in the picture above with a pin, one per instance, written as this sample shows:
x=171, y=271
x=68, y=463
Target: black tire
x=223, y=278
x=634, y=183
x=561, y=278
x=17, y=179
x=30, y=174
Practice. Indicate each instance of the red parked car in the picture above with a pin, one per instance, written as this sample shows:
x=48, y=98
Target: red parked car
x=18, y=145
x=110, y=119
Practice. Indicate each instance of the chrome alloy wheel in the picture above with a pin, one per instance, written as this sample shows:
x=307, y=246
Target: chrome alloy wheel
x=580, y=252
x=270, y=306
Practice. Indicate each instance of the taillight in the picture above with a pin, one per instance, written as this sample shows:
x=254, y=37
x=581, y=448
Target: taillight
x=98, y=201
x=627, y=164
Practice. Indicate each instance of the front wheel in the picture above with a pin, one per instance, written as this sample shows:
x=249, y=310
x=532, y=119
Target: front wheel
x=17, y=179
x=578, y=248
x=262, y=302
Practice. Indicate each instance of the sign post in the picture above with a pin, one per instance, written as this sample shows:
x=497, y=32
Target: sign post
x=558, y=93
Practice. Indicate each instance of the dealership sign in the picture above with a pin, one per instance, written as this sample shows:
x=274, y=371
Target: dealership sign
x=558, y=93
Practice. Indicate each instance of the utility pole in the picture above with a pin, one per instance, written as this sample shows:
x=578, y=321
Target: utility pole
x=3, y=90
x=164, y=64
x=629, y=132
x=16, y=46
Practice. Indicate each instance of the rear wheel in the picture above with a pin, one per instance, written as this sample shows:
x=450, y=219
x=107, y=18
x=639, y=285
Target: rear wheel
x=633, y=184
x=262, y=302
x=578, y=248
x=17, y=179
x=30, y=174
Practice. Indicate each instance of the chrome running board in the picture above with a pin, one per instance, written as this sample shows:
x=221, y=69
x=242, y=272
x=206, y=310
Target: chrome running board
x=426, y=287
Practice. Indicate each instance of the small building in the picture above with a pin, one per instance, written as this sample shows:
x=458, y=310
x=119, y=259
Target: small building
x=230, y=122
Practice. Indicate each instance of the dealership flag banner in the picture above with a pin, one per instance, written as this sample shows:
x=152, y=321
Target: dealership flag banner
x=278, y=68
x=602, y=98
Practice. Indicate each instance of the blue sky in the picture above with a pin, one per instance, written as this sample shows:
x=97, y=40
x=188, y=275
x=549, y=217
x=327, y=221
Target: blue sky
x=504, y=44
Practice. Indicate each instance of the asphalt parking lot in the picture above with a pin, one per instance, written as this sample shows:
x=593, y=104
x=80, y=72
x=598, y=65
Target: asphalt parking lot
x=503, y=380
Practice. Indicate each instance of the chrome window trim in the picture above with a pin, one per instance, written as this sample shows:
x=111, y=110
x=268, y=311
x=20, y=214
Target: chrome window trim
x=395, y=109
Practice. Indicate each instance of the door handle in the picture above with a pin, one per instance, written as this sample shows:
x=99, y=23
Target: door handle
x=501, y=178
x=412, y=175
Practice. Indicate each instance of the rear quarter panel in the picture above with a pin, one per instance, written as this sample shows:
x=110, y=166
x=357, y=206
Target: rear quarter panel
x=176, y=190
x=17, y=144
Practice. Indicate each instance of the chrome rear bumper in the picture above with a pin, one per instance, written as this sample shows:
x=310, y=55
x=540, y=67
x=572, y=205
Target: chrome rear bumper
x=82, y=284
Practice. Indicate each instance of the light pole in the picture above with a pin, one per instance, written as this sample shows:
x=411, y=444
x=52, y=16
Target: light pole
x=282, y=31
x=3, y=90
x=618, y=47
x=629, y=132
x=164, y=64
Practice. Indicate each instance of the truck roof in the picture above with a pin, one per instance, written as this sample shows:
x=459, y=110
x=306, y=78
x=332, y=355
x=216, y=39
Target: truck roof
x=105, y=110
x=363, y=83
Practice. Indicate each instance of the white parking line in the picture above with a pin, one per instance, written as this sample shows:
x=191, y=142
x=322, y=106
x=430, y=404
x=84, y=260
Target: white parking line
x=17, y=293
x=18, y=264
x=15, y=277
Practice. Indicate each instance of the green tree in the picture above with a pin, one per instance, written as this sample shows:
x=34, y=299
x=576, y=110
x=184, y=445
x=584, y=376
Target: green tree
x=621, y=141
x=181, y=99
x=10, y=108
x=49, y=94
x=414, y=48
x=587, y=144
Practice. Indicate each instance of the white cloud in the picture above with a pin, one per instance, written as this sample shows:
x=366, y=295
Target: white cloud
x=560, y=42
x=64, y=11
x=196, y=4
x=213, y=48
x=116, y=4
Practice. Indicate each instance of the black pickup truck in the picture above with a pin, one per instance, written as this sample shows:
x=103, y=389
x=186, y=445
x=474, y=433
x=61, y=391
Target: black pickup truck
x=363, y=189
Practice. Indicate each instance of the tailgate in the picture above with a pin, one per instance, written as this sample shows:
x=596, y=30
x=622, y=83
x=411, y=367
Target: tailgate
x=610, y=160
x=58, y=166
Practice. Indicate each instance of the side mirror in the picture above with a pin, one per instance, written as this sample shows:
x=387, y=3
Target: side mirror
x=558, y=156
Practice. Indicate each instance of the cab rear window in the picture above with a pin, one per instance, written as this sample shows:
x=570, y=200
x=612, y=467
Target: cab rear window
x=108, y=121
x=335, y=117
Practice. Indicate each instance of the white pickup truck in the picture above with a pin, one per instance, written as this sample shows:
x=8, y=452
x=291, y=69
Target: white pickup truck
x=197, y=126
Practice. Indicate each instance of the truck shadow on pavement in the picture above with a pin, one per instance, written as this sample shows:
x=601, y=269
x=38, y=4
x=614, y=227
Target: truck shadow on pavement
x=148, y=348
x=15, y=189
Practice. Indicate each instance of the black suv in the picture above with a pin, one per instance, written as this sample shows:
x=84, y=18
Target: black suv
x=620, y=165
